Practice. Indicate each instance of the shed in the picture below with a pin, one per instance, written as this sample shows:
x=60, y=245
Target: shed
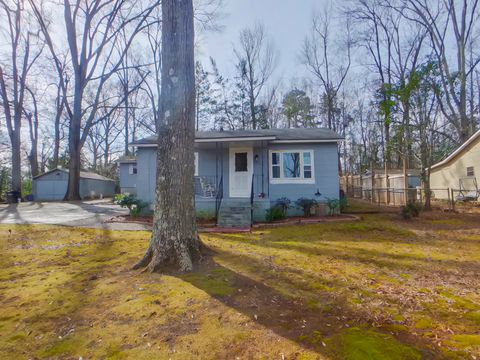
x=459, y=170
x=52, y=185
x=128, y=176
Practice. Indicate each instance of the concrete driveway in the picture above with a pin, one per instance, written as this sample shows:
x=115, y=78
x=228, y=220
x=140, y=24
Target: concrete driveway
x=92, y=214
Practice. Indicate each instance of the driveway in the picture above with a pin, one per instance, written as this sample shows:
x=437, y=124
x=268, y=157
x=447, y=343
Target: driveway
x=92, y=214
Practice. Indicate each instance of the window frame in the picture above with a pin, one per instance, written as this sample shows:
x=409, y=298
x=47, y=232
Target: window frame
x=292, y=180
x=195, y=154
x=132, y=169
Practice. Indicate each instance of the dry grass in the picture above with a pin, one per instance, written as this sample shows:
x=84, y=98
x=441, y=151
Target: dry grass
x=381, y=288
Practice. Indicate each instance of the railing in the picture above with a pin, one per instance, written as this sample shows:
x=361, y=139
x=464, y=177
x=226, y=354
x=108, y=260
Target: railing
x=206, y=186
x=252, y=195
x=218, y=198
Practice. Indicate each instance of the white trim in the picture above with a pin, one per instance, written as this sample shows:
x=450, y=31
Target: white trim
x=300, y=180
x=306, y=141
x=248, y=174
x=457, y=152
x=195, y=154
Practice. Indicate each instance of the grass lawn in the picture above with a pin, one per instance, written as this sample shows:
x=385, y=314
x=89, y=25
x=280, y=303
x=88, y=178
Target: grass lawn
x=380, y=288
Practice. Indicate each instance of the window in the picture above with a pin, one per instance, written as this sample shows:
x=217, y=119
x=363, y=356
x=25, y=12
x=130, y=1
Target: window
x=289, y=166
x=132, y=169
x=241, y=162
x=470, y=171
x=196, y=163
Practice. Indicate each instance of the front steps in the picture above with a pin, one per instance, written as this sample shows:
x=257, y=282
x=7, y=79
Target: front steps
x=235, y=213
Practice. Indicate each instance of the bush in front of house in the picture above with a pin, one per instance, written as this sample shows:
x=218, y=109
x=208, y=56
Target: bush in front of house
x=411, y=210
x=283, y=203
x=334, y=205
x=275, y=213
x=306, y=205
x=135, y=206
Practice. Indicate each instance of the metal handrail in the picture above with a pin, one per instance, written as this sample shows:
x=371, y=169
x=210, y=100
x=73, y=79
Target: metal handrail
x=219, y=197
x=251, y=201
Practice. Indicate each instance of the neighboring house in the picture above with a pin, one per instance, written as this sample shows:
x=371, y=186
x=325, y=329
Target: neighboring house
x=52, y=185
x=459, y=170
x=128, y=176
x=242, y=173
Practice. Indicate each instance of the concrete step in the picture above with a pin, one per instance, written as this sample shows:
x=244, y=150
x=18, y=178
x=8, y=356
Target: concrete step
x=235, y=213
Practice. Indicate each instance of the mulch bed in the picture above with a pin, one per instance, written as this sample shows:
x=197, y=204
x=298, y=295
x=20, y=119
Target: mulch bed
x=210, y=226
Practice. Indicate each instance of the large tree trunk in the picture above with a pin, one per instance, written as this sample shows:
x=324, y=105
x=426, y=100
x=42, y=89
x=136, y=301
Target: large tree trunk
x=174, y=238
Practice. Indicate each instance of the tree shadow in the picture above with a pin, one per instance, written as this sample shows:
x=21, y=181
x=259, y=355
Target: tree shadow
x=274, y=303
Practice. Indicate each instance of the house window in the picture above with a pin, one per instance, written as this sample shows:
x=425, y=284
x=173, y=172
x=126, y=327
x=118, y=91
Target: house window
x=196, y=163
x=289, y=166
x=470, y=171
x=132, y=169
x=241, y=162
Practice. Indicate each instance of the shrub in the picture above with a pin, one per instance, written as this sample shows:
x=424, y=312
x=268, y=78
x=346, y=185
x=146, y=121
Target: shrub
x=285, y=204
x=205, y=216
x=306, y=205
x=333, y=205
x=275, y=213
x=412, y=209
x=343, y=204
x=129, y=201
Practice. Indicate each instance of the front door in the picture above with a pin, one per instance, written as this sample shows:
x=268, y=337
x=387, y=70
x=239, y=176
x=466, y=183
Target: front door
x=241, y=172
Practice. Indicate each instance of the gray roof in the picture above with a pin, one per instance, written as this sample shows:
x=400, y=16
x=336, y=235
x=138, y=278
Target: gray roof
x=83, y=175
x=317, y=134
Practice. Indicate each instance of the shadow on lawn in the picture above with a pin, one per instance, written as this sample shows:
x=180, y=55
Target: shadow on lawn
x=324, y=323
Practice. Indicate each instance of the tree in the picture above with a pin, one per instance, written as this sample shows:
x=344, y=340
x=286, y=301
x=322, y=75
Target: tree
x=205, y=97
x=174, y=237
x=442, y=19
x=93, y=31
x=256, y=63
x=327, y=61
x=297, y=108
x=13, y=78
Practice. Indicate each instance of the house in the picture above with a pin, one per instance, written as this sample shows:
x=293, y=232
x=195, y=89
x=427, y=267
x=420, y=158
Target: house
x=128, y=176
x=458, y=171
x=240, y=174
x=52, y=185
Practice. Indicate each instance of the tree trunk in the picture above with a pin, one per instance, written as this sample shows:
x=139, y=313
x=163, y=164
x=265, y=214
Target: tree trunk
x=16, y=161
x=174, y=238
x=73, y=190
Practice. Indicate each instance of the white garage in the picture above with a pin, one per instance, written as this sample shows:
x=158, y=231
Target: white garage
x=52, y=185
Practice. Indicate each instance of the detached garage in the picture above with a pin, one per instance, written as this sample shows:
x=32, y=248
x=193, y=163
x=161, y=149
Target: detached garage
x=52, y=185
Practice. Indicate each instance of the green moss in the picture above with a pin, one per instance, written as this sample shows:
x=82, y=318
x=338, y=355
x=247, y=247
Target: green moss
x=465, y=341
x=68, y=346
x=364, y=344
x=424, y=323
x=217, y=283
x=473, y=315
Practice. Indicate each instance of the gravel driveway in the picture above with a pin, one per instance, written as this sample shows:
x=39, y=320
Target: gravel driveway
x=77, y=213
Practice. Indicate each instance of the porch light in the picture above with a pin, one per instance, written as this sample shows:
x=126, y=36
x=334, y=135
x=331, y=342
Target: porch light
x=256, y=157
x=318, y=193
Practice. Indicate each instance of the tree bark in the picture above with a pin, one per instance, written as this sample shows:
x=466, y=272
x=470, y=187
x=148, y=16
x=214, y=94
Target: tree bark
x=174, y=238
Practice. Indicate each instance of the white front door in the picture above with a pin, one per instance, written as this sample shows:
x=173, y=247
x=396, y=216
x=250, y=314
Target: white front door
x=241, y=172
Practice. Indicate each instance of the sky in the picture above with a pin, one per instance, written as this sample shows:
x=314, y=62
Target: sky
x=287, y=22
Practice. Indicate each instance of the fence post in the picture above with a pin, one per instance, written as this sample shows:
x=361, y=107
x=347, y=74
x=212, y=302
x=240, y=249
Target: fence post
x=453, y=200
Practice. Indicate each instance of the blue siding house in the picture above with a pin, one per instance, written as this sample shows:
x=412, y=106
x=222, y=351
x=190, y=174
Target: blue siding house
x=240, y=174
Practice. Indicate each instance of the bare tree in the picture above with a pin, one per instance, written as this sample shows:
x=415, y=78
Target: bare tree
x=442, y=19
x=323, y=58
x=174, y=237
x=23, y=52
x=257, y=60
x=93, y=30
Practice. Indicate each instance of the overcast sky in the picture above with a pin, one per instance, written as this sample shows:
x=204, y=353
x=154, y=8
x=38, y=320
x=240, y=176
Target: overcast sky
x=286, y=22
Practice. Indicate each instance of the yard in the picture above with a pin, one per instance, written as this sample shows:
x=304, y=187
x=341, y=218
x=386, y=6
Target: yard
x=380, y=288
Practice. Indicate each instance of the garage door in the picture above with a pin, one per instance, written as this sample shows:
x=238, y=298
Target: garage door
x=51, y=190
